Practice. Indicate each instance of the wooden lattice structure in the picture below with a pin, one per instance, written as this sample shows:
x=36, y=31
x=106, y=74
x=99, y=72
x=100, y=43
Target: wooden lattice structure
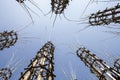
x=97, y=66
x=7, y=39
x=58, y=6
x=105, y=17
x=42, y=66
x=5, y=73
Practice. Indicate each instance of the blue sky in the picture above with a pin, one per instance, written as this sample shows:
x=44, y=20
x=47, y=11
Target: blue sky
x=66, y=36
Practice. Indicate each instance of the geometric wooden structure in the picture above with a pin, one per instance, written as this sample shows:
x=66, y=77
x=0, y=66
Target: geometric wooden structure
x=97, y=66
x=58, y=6
x=42, y=66
x=105, y=17
x=5, y=73
x=8, y=39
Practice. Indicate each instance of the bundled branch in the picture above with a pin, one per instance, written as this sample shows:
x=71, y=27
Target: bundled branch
x=58, y=6
x=42, y=66
x=97, y=66
x=105, y=17
x=28, y=9
x=5, y=73
x=8, y=39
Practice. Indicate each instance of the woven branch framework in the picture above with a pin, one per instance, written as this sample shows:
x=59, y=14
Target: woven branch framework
x=5, y=73
x=58, y=6
x=97, y=66
x=105, y=17
x=41, y=67
x=7, y=39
